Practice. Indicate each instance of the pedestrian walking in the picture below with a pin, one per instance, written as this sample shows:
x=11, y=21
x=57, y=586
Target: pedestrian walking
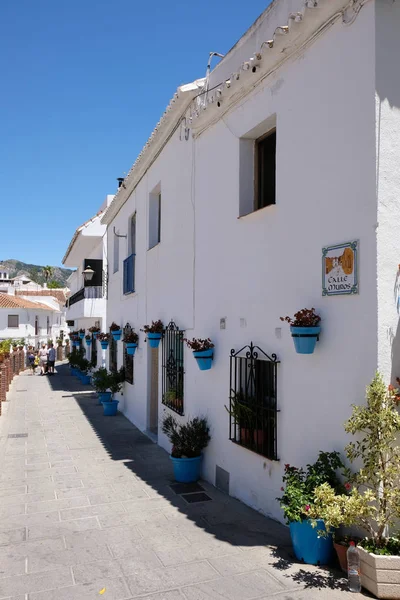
x=31, y=360
x=51, y=359
x=43, y=359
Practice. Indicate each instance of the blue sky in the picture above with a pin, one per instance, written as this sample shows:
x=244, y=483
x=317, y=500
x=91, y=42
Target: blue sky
x=84, y=82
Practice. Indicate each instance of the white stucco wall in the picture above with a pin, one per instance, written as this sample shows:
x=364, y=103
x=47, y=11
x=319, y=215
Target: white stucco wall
x=252, y=270
x=26, y=327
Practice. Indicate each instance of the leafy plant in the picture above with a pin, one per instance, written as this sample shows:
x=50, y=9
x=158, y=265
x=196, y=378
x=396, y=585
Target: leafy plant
x=189, y=439
x=75, y=357
x=114, y=327
x=47, y=272
x=374, y=500
x=100, y=380
x=103, y=337
x=84, y=365
x=306, y=317
x=298, y=494
x=88, y=337
x=155, y=327
x=94, y=329
x=81, y=331
x=131, y=337
x=242, y=409
x=115, y=381
x=54, y=285
x=198, y=345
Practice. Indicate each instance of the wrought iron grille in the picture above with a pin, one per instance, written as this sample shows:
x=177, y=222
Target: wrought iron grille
x=253, y=400
x=128, y=359
x=93, y=357
x=173, y=368
x=113, y=354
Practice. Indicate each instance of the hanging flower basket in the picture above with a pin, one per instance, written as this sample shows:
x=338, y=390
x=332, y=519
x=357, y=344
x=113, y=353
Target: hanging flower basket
x=88, y=340
x=305, y=330
x=154, y=339
x=95, y=334
x=116, y=334
x=203, y=351
x=131, y=348
x=104, y=344
x=81, y=334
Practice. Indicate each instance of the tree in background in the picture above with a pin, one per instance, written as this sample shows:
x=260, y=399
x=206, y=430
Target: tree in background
x=47, y=272
x=54, y=285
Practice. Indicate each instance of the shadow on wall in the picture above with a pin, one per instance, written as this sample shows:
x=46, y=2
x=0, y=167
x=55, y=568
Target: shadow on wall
x=149, y=467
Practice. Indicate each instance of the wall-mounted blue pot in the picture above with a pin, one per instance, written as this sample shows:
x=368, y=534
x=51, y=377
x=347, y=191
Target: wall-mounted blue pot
x=81, y=335
x=305, y=338
x=154, y=339
x=204, y=358
x=131, y=348
x=88, y=342
x=104, y=344
x=117, y=334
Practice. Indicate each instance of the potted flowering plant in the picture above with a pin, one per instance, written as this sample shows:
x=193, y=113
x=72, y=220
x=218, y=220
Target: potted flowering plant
x=88, y=339
x=116, y=331
x=373, y=501
x=114, y=384
x=131, y=340
x=305, y=330
x=188, y=441
x=104, y=339
x=154, y=333
x=100, y=382
x=297, y=502
x=81, y=333
x=203, y=351
x=94, y=330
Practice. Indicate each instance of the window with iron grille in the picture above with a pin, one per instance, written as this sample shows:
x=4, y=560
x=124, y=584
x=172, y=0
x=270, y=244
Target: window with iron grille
x=113, y=354
x=173, y=368
x=253, y=400
x=48, y=325
x=93, y=358
x=13, y=321
x=128, y=359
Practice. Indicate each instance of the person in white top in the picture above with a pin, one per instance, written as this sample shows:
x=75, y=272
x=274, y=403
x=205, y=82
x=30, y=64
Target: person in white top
x=43, y=359
x=51, y=359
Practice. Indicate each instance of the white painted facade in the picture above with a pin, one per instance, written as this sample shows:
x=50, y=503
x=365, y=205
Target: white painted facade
x=330, y=87
x=36, y=325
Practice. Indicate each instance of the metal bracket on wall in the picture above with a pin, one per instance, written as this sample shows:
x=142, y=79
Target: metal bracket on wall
x=118, y=234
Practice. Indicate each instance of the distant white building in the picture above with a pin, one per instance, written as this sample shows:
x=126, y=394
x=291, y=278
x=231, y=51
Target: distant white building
x=86, y=306
x=239, y=210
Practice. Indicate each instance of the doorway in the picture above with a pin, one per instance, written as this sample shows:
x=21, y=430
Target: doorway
x=153, y=407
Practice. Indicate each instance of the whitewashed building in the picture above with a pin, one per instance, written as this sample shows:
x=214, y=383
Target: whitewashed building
x=239, y=210
x=86, y=306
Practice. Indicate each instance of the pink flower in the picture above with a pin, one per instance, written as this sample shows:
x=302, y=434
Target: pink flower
x=282, y=489
x=307, y=507
x=347, y=486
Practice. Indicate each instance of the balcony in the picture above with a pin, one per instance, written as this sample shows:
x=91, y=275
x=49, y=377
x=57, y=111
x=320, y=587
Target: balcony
x=88, y=302
x=129, y=275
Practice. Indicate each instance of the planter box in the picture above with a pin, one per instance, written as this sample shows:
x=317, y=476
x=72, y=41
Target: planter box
x=380, y=575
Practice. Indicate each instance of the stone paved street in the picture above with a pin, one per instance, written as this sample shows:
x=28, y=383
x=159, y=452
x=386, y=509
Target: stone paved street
x=88, y=512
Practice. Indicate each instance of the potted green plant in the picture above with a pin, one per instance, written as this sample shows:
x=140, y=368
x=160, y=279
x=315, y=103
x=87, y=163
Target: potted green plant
x=154, y=333
x=203, y=351
x=131, y=341
x=81, y=333
x=104, y=339
x=88, y=340
x=373, y=500
x=94, y=330
x=59, y=342
x=305, y=522
x=242, y=411
x=116, y=331
x=188, y=441
x=174, y=397
x=100, y=382
x=305, y=330
x=84, y=367
x=115, y=380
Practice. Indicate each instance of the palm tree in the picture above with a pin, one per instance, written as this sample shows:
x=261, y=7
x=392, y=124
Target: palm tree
x=47, y=272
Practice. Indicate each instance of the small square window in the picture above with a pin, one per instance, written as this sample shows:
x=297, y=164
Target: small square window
x=13, y=321
x=265, y=171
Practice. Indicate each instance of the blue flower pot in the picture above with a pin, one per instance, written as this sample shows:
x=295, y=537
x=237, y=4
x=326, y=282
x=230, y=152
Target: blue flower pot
x=110, y=408
x=154, y=339
x=187, y=470
x=305, y=338
x=88, y=342
x=117, y=334
x=85, y=379
x=81, y=335
x=75, y=344
x=74, y=371
x=104, y=397
x=204, y=359
x=131, y=348
x=104, y=344
x=307, y=546
x=95, y=334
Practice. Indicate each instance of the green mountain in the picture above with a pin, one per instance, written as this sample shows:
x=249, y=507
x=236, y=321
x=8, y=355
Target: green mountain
x=35, y=272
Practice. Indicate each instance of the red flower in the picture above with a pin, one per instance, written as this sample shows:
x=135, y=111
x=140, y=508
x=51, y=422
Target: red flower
x=347, y=486
x=282, y=489
x=287, y=466
x=307, y=507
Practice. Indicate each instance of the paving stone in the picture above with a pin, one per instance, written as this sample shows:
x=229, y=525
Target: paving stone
x=12, y=491
x=157, y=580
x=62, y=528
x=93, y=571
x=29, y=498
x=12, y=536
x=91, y=511
x=241, y=587
x=78, y=556
x=36, y=582
x=208, y=549
x=115, y=589
x=50, y=505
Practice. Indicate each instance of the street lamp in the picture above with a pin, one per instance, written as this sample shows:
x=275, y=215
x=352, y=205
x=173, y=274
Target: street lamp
x=88, y=273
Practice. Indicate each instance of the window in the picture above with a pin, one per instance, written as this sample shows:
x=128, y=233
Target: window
x=116, y=253
x=36, y=325
x=13, y=321
x=48, y=325
x=253, y=400
x=173, y=368
x=93, y=356
x=128, y=359
x=113, y=354
x=155, y=217
x=265, y=170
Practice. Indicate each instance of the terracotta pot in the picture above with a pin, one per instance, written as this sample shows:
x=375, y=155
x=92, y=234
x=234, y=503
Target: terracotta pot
x=341, y=552
x=245, y=436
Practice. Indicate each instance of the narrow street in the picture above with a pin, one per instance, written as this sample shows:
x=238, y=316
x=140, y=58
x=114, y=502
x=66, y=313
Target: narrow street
x=89, y=510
